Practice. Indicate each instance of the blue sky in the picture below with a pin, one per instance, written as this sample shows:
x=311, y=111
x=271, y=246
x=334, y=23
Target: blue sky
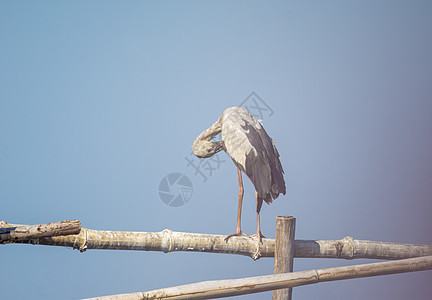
x=100, y=100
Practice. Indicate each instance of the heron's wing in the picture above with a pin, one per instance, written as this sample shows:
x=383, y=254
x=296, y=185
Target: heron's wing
x=252, y=150
x=270, y=155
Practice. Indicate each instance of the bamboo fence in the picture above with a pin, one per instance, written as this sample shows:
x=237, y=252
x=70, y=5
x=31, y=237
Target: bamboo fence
x=409, y=257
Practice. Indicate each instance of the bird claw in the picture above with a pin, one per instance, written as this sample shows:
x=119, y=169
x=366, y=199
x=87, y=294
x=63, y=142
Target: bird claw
x=258, y=234
x=237, y=233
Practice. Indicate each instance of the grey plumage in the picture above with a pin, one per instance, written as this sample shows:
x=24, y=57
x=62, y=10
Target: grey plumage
x=250, y=148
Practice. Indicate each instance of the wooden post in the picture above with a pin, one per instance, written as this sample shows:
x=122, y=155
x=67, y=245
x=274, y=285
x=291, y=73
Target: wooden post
x=284, y=253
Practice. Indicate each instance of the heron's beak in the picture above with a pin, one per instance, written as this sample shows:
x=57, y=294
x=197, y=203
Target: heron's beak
x=218, y=146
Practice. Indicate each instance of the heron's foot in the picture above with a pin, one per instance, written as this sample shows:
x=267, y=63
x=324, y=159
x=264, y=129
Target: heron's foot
x=237, y=233
x=258, y=235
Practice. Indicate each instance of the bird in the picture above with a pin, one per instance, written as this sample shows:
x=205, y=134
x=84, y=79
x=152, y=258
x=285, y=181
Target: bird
x=253, y=152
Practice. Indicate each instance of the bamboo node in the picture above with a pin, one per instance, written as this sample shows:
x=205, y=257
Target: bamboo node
x=339, y=248
x=316, y=274
x=82, y=247
x=257, y=253
x=345, y=246
x=349, y=241
x=167, y=240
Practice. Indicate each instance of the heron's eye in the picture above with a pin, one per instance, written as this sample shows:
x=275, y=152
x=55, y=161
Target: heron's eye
x=208, y=150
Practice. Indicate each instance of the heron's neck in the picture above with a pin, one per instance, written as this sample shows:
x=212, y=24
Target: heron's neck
x=211, y=132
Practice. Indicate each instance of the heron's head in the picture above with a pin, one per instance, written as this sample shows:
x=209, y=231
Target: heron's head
x=204, y=149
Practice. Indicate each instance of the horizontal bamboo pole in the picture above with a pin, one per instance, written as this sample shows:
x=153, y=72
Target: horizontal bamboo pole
x=28, y=232
x=242, y=286
x=169, y=241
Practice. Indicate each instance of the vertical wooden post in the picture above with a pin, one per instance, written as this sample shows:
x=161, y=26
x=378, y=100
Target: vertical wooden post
x=284, y=253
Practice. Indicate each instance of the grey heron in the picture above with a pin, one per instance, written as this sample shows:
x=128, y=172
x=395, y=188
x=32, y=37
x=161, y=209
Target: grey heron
x=253, y=153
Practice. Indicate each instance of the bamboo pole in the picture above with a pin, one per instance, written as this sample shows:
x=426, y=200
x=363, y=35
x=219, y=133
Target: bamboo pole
x=284, y=253
x=169, y=241
x=242, y=286
x=28, y=232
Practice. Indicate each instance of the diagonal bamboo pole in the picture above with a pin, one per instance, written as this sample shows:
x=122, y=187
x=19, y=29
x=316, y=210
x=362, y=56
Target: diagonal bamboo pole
x=242, y=286
x=169, y=241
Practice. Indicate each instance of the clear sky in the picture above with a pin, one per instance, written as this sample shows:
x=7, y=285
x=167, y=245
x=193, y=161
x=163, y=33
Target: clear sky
x=100, y=100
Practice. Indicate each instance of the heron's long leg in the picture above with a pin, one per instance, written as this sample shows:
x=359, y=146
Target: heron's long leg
x=259, y=204
x=241, y=193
